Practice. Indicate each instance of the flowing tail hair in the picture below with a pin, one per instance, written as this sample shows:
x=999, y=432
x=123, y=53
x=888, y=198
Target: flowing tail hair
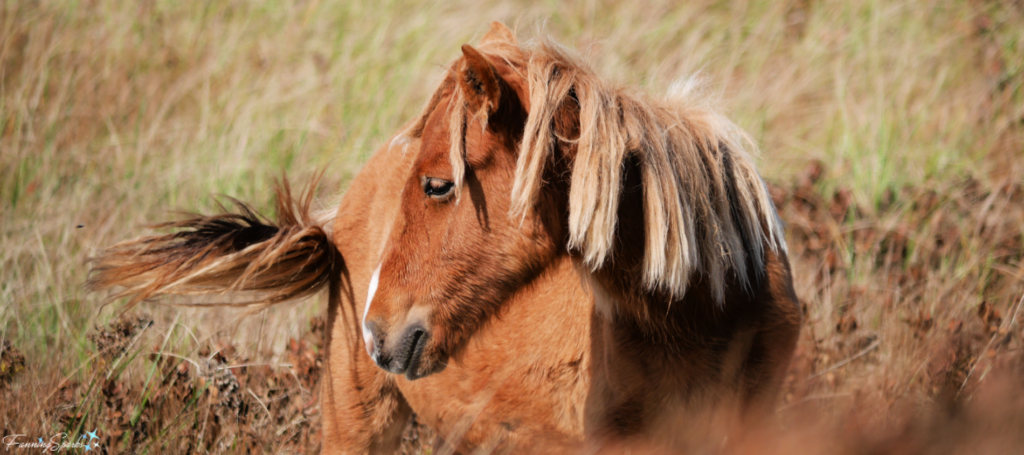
x=238, y=251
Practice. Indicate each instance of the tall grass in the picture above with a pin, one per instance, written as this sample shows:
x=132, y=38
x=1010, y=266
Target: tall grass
x=113, y=114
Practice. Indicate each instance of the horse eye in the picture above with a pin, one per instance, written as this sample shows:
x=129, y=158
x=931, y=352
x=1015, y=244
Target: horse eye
x=437, y=188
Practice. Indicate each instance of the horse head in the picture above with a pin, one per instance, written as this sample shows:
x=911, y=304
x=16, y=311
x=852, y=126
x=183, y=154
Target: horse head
x=454, y=255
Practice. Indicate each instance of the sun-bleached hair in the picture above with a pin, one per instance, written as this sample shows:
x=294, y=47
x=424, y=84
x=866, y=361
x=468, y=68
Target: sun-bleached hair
x=706, y=208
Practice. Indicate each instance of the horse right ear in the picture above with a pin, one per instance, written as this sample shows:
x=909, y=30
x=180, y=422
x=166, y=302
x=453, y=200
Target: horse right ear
x=480, y=82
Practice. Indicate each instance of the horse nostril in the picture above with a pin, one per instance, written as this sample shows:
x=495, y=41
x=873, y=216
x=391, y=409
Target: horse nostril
x=417, y=337
x=417, y=340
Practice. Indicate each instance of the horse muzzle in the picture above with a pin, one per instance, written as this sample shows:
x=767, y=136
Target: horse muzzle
x=402, y=352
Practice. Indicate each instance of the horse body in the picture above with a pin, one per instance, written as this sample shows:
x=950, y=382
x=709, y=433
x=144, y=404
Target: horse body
x=549, y=371
x=692, y=297
x=514, y=301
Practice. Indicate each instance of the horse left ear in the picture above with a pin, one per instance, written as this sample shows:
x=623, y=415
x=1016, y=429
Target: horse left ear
x=499, y=33
x=480, y=81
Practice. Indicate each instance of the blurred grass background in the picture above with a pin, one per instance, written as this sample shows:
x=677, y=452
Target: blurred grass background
x=115, y=114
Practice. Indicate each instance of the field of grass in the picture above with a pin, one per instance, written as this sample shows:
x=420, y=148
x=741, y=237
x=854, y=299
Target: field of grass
x=892, y=136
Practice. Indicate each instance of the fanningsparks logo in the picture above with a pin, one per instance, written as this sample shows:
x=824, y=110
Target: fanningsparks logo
x=57, y=443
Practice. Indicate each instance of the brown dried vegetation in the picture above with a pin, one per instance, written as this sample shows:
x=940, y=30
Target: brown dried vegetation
x=215, y=400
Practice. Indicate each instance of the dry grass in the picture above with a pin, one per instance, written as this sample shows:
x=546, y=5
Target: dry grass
x=893, y=131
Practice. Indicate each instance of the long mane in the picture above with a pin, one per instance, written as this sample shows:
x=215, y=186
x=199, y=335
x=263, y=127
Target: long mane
x=706, y=208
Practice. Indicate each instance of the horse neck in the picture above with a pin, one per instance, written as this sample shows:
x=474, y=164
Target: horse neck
x=650, y=316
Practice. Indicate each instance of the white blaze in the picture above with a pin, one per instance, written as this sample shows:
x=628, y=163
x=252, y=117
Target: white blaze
x=374, y=281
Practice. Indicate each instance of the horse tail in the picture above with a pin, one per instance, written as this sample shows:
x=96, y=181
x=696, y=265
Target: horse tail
x=238, y=252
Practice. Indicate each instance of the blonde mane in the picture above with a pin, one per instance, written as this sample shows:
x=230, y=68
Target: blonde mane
x=695, y=166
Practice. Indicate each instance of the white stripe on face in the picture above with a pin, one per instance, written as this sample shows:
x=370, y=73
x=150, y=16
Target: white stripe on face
x=367, y=336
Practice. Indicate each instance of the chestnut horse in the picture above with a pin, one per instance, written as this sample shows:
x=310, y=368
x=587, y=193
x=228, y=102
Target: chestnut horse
x=540, y=260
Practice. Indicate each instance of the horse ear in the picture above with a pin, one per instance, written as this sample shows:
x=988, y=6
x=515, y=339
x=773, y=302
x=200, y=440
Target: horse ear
x=480, y=81
x=499, y=33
